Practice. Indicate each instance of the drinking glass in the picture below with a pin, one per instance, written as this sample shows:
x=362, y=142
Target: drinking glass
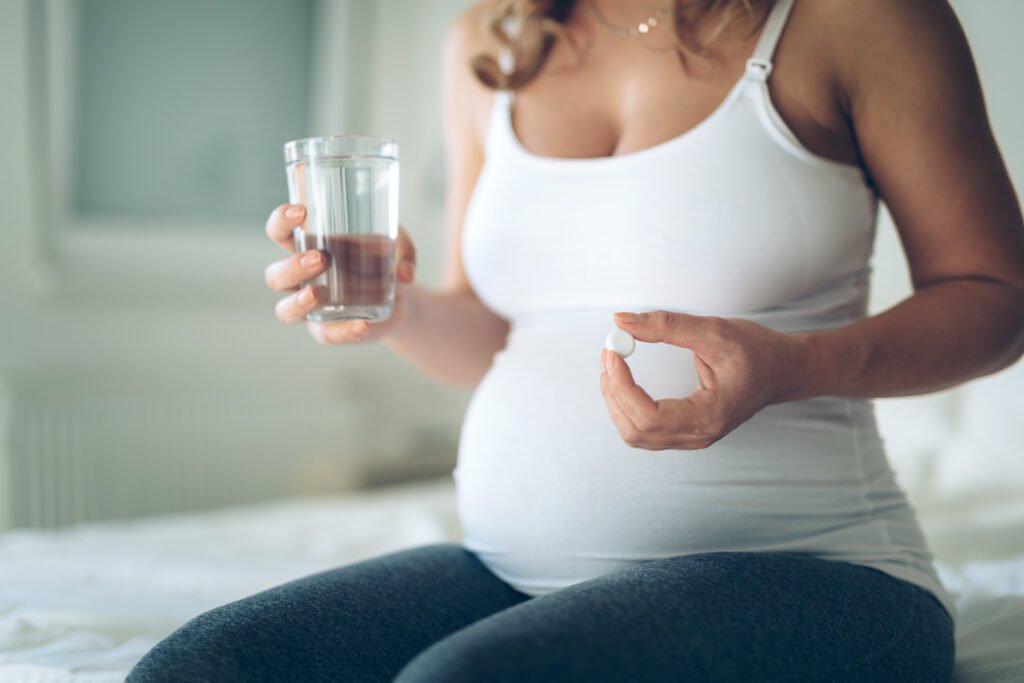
x=349, y=186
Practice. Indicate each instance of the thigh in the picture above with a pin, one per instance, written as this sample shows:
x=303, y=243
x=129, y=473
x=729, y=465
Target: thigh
x=708, y=617
x=362, y=622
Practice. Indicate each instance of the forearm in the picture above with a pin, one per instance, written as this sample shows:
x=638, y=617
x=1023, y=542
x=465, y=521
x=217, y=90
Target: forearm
x=449, y=336
x=945, y=334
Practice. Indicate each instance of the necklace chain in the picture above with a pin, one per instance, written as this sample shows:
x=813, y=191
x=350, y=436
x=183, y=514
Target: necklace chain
x=635, y=31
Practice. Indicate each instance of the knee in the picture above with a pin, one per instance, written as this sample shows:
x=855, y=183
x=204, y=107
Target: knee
x=409, y=563
x=166, y=662
x=450, y=665
x=207, y=648
x=435, y=552
x=464, y=658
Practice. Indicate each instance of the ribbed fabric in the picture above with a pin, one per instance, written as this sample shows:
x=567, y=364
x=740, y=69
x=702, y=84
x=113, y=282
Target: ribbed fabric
x=734, y=218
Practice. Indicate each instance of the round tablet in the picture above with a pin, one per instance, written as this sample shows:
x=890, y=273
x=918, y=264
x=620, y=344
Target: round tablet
x=621, y=342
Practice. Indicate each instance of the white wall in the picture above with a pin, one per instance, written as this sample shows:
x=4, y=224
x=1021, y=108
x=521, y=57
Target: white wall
x=16, y=275
x=17, y=211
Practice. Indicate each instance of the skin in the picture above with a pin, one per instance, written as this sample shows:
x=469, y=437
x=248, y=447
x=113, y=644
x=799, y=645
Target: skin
x=887, y=86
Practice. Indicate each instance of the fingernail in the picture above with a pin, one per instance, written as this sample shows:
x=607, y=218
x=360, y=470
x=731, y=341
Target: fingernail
x=311, y=259
x=295, y=212
x=406, y=271
x=609, y=362
x=627, y=318
x=306, y=296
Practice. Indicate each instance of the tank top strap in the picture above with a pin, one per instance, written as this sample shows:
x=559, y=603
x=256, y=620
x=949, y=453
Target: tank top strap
x=759, y=66
x=499, y=134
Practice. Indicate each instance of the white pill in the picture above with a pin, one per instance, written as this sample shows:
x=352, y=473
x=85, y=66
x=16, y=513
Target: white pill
x=621, y=342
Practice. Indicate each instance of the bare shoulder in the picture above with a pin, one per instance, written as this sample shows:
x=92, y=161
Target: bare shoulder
x=467, y=37
x=916, y=106
x=884, y=42
x=866, y=24
x=880, y=14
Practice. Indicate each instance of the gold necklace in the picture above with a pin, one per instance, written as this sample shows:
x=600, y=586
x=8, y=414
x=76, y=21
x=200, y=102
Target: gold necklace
x=643, y=28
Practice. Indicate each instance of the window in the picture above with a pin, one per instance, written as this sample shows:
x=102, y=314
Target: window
x=180, y=108
x=158, y=130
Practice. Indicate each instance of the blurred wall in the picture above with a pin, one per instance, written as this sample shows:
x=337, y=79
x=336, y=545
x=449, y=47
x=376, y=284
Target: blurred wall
x=118, y=352
x=112, y=359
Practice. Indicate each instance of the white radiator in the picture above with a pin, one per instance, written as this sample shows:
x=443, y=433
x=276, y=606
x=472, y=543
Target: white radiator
x=73, y=459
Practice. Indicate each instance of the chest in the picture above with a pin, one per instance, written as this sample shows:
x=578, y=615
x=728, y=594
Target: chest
x=613, y=95
x=723, y=219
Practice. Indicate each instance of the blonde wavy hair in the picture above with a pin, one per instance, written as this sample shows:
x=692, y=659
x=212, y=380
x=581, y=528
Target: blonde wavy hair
x=528, y=29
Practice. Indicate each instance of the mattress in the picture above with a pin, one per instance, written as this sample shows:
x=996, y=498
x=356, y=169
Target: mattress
x=84, y=604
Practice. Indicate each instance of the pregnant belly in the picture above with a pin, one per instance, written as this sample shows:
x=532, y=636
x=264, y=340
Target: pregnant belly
x=548, y=493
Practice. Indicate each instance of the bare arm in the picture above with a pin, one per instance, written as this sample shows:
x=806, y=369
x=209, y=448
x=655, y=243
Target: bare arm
x=450, y=334
x=914, y=102
x=917, y=108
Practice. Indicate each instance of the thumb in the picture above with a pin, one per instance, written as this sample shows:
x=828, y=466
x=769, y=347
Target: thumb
x=678, y=329
x=405, y=257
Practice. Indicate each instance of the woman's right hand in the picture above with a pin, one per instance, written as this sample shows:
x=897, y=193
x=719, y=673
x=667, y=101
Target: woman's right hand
x=288, y=274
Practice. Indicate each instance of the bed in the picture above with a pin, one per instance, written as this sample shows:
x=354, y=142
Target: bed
x=83, y=604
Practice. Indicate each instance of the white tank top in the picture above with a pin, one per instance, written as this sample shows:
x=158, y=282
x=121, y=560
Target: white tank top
x=734, y=218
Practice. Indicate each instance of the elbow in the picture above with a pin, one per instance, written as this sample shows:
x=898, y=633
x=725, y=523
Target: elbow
x=1015, y=349
x=1018, y=348
x=1018, y=316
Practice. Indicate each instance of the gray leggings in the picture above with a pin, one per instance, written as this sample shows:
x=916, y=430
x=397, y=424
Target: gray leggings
x=436, y=614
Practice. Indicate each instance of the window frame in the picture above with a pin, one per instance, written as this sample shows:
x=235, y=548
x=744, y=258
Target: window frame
x=82, y=255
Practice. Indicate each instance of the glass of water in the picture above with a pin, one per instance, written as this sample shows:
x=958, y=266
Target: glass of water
x=349, y=186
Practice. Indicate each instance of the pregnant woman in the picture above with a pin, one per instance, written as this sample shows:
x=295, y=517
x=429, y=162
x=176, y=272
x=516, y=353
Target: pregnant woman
x=704, y=174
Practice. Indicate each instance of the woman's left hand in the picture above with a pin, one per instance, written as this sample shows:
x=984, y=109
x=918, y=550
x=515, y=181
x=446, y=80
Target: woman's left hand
x=742, y=367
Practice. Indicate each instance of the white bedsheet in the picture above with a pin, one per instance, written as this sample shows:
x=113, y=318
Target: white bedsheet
x=86, y=603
